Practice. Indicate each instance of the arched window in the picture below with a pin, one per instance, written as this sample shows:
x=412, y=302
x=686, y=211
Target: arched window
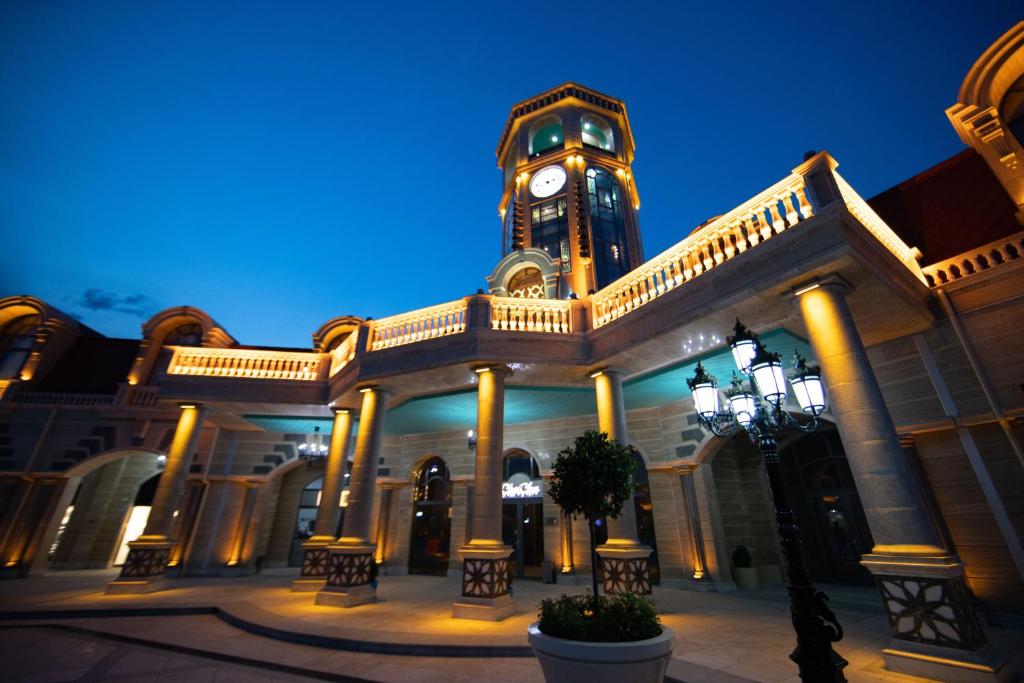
x=1011, y=110
x=431, y=522
x=545, y=135
x=597, y=133
x=16, y=341
x=644, y=509
x=610, y=247
x=189, y=334
x=527, y=283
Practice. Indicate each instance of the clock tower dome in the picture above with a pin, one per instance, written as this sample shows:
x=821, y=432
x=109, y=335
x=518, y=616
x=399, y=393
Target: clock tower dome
x=568, y=187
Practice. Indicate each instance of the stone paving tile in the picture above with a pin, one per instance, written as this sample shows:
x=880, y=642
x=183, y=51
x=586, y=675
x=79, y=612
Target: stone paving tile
x=731, y=637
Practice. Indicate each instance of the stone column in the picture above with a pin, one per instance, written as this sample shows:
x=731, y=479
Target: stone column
x=935, y=630
x=623, y=558
x=143, y=570
x=351, y=572
x=314, y=550
x=486, y=577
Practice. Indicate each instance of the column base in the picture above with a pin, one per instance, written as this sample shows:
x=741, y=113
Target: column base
x=624, y=569
x=308, y=584
x=143, y=570
x=484, y=609
x=935, y=631
x=486, y=584
x=351, y=576
x=351, y=596
x=121, y=586
x=947, y=664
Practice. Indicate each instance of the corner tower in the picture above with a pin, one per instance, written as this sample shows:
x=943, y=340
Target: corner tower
x=568, y=186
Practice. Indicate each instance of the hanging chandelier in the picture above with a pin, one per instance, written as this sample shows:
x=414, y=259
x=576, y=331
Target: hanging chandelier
x=314, y=448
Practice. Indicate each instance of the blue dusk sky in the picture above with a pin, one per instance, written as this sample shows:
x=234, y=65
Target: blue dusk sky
x=278, y=164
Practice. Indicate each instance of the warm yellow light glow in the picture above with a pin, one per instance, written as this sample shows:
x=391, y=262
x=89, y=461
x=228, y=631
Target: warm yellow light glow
x=621, y=173
x=366, y=390
x=805, y=289
x=698, y=574
x=132, y=382
x=187, y=406
x=596, y=373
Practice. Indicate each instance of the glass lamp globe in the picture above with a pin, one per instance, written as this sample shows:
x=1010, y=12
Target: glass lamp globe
x=744, y=346
x=743, y=406
x=769, y=378
x=705, y=399
x=705, y=392
x=809, y=392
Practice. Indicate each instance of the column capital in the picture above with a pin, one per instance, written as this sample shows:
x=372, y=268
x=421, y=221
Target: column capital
x=373, y=388
x=832, y=281
x=492, y=367
x=611, y=372
x=186, y=405
x=344, y=411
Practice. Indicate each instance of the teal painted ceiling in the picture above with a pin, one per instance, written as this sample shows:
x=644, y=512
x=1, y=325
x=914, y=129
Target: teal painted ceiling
x=457, y=410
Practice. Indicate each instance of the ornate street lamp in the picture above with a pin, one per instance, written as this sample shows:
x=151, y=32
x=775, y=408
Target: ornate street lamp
x=755, y=405
x=314, y=449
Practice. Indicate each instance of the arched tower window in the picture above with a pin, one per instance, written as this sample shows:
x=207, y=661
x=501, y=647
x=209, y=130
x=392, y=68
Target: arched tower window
x=1012, y=110
x=545, y=135
x=527, y=283
x=610, y=247
x=597, y=133
x=16, y=341
x=189, y=334
x=431, y=522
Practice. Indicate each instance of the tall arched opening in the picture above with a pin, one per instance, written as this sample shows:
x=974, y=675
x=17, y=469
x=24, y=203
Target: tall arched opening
x=522, y=513
x=644, y=508
x=108, y=508
x=430, y=544
x=821, y=491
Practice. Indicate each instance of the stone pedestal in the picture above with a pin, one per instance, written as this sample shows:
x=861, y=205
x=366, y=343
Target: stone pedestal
x=143, y=570
x=486, y=581
x=316, y=557
x=351, y=575
x=935, y=632
x=624, y=568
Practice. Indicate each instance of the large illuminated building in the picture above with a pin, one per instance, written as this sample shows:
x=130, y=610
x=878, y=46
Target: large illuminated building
x=420, y=443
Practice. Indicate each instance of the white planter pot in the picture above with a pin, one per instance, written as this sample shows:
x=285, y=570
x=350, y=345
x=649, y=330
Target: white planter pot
x=572, y=661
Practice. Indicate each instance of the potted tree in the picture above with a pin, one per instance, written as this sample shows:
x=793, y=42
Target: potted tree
x=597, y=638
x=743, y=571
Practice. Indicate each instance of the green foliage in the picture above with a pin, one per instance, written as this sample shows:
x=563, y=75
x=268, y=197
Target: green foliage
x=593, y=478
x=741, y=557
x=620, y=618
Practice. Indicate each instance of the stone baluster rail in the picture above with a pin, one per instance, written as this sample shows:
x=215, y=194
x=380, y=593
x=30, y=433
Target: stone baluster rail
x=425, y=323
x=972, y=262
x=781, y=206
x=245, y=363
x=531, y=315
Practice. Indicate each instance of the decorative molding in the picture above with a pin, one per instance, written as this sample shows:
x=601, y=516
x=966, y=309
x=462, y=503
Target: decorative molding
x=486, y=578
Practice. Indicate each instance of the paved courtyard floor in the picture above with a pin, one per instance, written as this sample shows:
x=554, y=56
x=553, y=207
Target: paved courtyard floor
x=67, y=629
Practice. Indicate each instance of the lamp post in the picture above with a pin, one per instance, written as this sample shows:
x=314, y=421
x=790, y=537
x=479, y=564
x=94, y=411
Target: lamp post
x=755, y=405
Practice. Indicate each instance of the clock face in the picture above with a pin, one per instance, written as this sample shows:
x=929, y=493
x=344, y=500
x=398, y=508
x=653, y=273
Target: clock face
x=547, y=181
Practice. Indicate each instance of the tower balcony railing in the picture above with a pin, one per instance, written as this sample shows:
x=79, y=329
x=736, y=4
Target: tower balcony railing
x=245, y=363
x=781, y=206
x=981, y=259
x=531, y=315
x=426, y=323
x=774, y=210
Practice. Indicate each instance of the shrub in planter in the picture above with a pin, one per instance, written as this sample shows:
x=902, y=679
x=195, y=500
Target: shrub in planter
x=595, y=638
x=743, y=573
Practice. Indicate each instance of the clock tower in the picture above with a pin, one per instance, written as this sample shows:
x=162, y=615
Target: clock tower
x=568, y=187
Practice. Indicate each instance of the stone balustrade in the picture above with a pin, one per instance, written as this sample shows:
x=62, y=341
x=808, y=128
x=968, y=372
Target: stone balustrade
x=426, y=323
x=245, y=363
x=863, y=212
x=972, y=262
x=769, y=213
x=64, y=399
x=531, y=315
x=343, y=354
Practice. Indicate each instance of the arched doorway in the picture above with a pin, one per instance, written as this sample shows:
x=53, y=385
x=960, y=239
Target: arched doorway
x=109, y=507
x=305, y=517
x=430, y=544
x=138, y=515
x=522, y=514
x=821, y=491
x=644, y=508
